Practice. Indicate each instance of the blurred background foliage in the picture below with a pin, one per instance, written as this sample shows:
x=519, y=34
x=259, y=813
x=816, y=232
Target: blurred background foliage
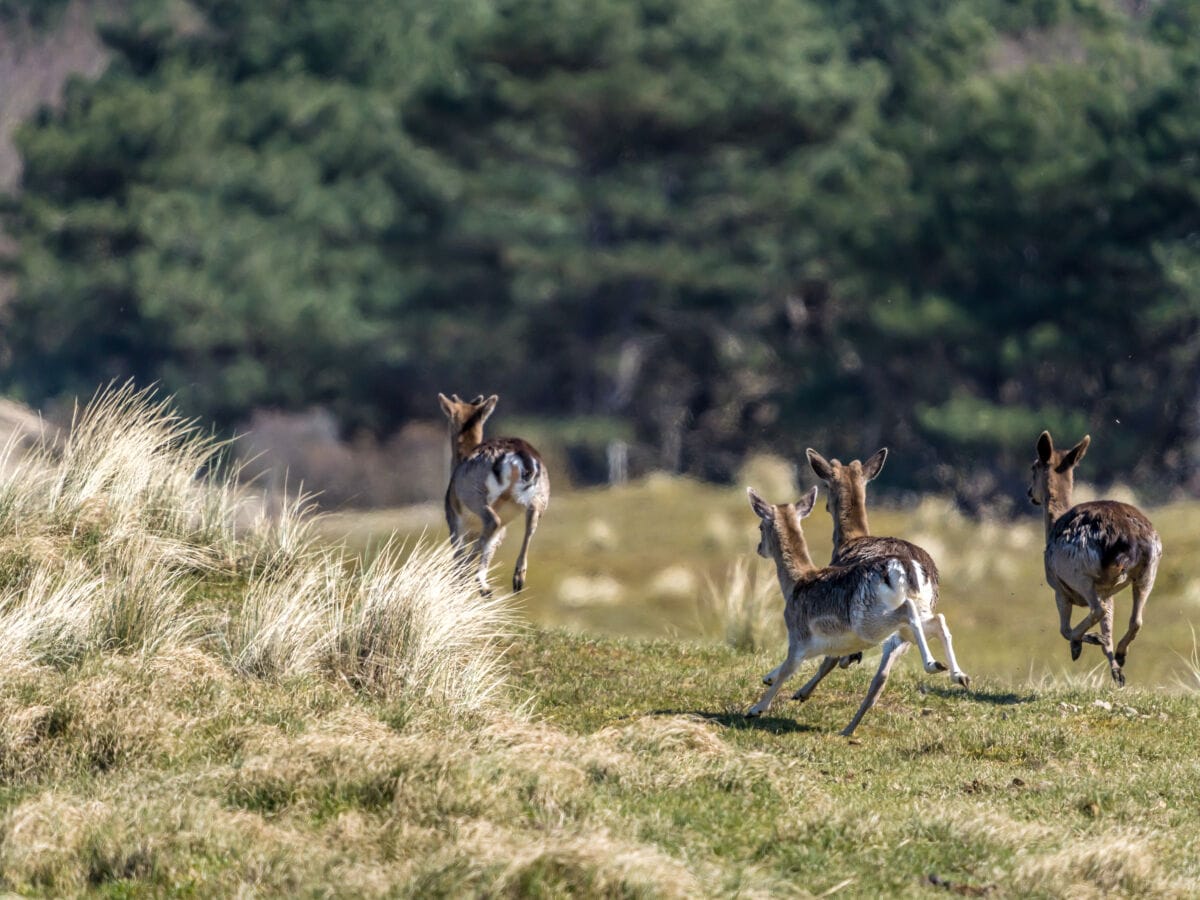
x=703, y=228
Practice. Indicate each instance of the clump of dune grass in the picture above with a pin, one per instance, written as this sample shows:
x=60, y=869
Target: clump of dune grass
x=108, y=535
x=418, y=626
x=403, y=624
x=128, y=467
x=744, y=611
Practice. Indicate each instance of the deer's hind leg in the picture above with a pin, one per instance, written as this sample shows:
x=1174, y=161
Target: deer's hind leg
x=893, y=648
x=1102, y=611
x=1078, y=635
x=1142, y=586
x=532, y=515
x=916, y=634
x=936, y=624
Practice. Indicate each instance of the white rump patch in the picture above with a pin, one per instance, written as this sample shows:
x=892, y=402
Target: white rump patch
x=510, y=483
x=894, y=591
x=924, y=588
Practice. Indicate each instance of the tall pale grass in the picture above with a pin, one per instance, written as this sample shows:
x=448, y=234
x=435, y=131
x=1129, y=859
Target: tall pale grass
x=745, y=611
x=108, y=536
x=402, y=625
x=417, y=626
x=128, y=467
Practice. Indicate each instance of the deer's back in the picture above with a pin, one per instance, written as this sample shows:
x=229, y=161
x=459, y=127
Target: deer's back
x=919, y=565
x=1105, y=542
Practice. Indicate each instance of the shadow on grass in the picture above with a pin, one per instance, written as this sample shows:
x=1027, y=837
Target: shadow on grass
x=994, y=698
x=772, y=724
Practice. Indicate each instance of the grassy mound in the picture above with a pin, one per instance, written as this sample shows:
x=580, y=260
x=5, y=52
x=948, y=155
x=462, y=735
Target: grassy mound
x=200, y=700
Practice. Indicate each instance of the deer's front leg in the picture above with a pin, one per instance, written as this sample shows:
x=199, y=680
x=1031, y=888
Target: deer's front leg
x=828, y=664
x=491, y=534
x=785, y=670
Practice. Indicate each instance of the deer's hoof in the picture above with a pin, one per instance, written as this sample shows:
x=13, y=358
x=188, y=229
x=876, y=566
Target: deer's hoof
x=934, y=666
x=846, y=732
x=518, y=583
x=1118, y=676
x=962, y=678
x=1076, y=649
x=847, y=661
x=753, y=712
x=800, y=696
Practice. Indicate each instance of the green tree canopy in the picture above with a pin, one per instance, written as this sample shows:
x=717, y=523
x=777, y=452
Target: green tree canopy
x=939, y=225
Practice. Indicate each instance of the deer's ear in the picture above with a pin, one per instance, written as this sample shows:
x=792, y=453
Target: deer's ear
x=804, y=506
x=761, y=507
x=478, y=399
x=489, y=406
x=1072, y=457
x=446, y=404
x=1045, y=447
x=874, y=465
x=820, y=465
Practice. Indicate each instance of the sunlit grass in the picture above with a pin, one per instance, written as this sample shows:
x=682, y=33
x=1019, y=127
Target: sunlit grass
x=993, y=590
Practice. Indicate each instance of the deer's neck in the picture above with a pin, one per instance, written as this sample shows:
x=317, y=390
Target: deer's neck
x=793, y=563
x=849, y=511
x=850, y=523
x=1058, y=501
x=463, y=443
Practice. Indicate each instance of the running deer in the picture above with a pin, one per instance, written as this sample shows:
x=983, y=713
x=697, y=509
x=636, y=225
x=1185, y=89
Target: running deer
x=846, y=501
x=1093, y=551
x=837, y=610
x=493, y=481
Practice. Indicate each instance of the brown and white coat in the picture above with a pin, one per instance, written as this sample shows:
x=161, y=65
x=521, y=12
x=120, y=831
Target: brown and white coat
x=492, y=481
x=837, y=609
x=1093, y=551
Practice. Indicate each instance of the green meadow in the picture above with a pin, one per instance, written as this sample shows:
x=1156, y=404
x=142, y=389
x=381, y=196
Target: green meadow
x=198, y=699
x=654, y=558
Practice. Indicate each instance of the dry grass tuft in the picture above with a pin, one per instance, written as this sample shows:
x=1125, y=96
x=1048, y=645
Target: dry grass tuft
x=745, y=611
x=670, y=735
x=417, y=627
x=1120, y=864
x=500, y=862
x=402, y=625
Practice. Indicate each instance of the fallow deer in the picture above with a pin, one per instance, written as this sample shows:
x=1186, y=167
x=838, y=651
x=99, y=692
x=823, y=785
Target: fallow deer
x=1093, y=551
x=846, y=501
x=493, y=481
x=836, y=610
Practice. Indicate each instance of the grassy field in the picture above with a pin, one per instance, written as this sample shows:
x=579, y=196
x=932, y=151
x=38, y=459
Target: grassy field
x=645, y=560
x=628, y=772
x=196, y=701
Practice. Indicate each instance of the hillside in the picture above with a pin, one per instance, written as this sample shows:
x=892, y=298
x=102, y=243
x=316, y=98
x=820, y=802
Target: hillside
x=196, y=700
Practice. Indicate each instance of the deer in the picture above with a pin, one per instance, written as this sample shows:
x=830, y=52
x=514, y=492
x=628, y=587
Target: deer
x=846, y=502
x=1093, y=551
x=493, y=481
x=839, y=609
